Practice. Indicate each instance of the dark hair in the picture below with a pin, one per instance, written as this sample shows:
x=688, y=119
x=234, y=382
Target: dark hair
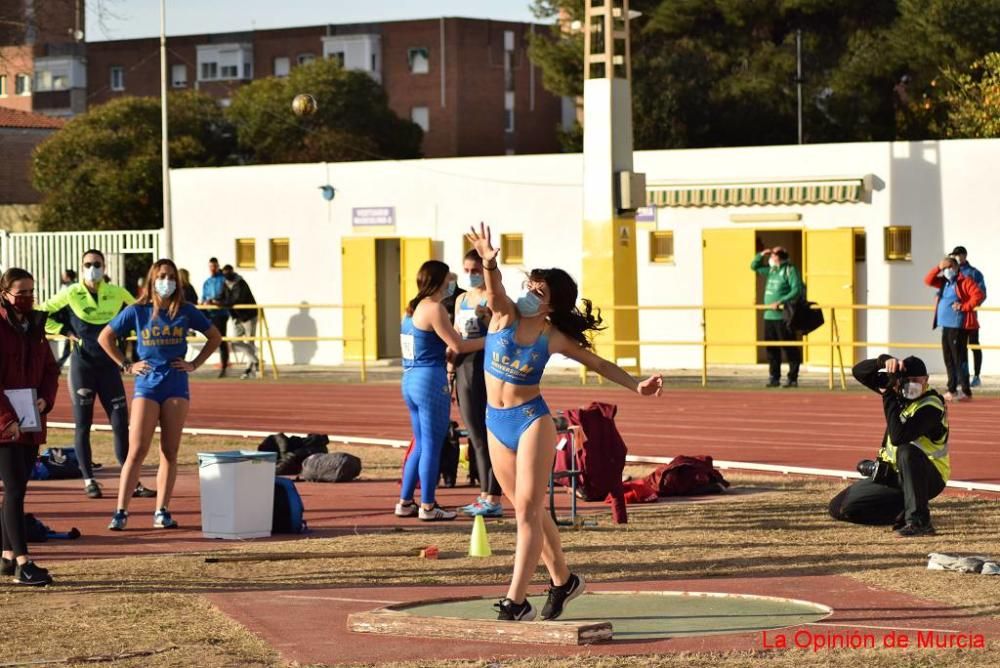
x=71, y=274
x=473, y=255
x=213, y=260
x=430, y=278
x=11, y=276
x=93, y=251
x=572, y=320
x=228, y=267
x=173, y=302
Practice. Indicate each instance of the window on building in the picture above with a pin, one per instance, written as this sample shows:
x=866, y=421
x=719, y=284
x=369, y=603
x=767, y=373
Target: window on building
x=420, y=60
x=3, y=85
x=897, y=243
x=248, y=70
x=179, y=76
x=508, y=40
x=466, y=245
x=117, y=78
x=43, y=81
x=661, y=247
x=337, y=57
x=22, y=84
x=282, y=66
x=60, y=82
x=422, y=117
x=508, y=112
x=860, y=246
x=279, y=254
x=209, y=71
x=306, y=58
x=512, y=248
x=229, y=72
x=246, y=253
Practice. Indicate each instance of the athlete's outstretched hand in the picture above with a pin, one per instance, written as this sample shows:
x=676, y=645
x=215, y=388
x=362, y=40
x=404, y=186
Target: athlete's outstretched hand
x=650, y=387
x=482, y=241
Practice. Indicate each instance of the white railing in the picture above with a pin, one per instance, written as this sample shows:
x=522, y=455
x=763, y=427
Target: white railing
x=47, y=254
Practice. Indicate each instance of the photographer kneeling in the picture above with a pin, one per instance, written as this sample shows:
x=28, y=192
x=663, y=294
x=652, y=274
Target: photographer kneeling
x=913, y=464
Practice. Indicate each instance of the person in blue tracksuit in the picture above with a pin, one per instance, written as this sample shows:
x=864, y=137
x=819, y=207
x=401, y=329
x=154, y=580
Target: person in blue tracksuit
x=425, y=337
x=545, y=320
x=161, y=320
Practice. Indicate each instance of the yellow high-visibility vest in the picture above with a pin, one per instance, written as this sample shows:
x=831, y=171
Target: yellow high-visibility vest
x=936, y=451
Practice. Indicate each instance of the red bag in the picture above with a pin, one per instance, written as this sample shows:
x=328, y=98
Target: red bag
x=600, y=458
x=687, y=476
x=637, y=492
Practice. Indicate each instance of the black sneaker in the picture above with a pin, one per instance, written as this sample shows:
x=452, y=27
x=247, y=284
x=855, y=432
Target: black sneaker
x=93, y=490
x=509, y=611
x=915, y=530
x=7, y=566
x=791, y=383
x=29, y=574
x=96, y=466
x=774, y=382
x=143, y=492
x=560, y=596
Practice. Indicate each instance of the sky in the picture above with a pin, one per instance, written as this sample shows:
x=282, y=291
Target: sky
x=126, y=19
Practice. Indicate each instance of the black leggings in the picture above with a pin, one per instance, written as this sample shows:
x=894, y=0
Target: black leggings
x=977, y=355
x=16, y=462
x=89, y=381
x=471, y=389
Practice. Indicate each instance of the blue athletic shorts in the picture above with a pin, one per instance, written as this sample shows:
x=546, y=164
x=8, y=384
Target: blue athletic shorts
x=507, y=424
x=161, y=384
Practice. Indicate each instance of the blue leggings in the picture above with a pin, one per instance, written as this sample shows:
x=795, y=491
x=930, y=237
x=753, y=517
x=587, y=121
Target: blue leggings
x=425, y=391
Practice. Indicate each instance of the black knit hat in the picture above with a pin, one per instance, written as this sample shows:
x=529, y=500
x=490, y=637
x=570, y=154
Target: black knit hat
x=915, y=367
x=960, y=250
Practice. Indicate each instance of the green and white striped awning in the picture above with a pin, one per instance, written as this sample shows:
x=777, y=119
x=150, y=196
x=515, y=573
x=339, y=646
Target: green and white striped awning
x=828, y=191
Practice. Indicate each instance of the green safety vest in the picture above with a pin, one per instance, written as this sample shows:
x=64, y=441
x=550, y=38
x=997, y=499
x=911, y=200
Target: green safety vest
x=936, y=451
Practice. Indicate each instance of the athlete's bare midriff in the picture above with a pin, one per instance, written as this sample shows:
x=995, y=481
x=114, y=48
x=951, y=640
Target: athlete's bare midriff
x=501, y=394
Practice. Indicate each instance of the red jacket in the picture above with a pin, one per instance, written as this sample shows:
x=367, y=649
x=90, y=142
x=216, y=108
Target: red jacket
x=26, y=361
x=968, y=293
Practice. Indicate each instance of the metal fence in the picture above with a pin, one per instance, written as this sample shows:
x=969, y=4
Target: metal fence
x=47, y=254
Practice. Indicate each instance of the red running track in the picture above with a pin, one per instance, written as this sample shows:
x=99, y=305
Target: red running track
x=789, y=427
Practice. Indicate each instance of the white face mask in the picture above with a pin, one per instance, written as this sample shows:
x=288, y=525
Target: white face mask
x=165, y=287
x=93, y=274
x=949, y=274
x=528, y=304
x=912, y=390
x=774, y=261
x=476, y=281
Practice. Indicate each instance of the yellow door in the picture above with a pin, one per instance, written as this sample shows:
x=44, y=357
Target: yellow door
x=358, y=278
x=728, y=281
x=413, y=253
x=829, y=276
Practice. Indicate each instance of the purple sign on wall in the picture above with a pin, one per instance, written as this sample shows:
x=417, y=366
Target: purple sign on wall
x=373, y=215
x=645, y=214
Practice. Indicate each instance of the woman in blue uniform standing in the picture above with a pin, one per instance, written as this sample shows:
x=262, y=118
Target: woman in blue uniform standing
x=544, y=321
x=161, y=319
x=425, y=336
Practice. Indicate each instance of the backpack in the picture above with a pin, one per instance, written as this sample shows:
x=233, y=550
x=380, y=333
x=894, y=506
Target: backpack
x=56, y=464
x=38, y=532
x=288, y=508
x=293, y=450
x=600, y=458
x=687, y=476
x=331, y=467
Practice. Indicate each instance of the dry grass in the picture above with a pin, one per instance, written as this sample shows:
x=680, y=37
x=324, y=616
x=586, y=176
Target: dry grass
x=147, y=603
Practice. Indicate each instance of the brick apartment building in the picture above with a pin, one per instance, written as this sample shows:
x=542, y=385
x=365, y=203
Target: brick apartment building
x=467, y=82
x=20, y=133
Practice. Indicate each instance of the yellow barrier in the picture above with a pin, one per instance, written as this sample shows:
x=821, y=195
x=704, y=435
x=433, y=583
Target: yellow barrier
x=263, y=333
x=835, y=343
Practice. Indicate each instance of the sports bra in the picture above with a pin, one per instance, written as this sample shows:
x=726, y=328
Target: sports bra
x=420, y=347
x=512, y=362
x=467, y=320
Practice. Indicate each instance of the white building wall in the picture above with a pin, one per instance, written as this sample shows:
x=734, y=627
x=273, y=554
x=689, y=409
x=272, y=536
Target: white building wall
x=947, y=191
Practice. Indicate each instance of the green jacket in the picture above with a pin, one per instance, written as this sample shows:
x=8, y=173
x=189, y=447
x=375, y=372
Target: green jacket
x=74, y=310
x=783, y=284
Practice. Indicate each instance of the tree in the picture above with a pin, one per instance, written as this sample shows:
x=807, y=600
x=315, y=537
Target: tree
x=722, y=72
x=972, y=99
x=353, y=120
x=103, y=170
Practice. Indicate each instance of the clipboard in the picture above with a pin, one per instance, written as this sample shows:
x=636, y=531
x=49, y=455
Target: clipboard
x=24, y=403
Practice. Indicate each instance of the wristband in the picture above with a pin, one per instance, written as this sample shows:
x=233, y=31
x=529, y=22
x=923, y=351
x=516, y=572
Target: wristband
x=126, y=366
x=487, y=267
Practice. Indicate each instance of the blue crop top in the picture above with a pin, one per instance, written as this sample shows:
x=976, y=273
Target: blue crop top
x=514, y=363
x=420, y=347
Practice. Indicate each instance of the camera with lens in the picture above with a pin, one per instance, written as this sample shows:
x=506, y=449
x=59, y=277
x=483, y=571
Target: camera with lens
x=876, y=470
x=886, y=380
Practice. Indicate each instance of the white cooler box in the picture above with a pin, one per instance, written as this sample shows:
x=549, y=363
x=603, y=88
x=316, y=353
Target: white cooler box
x=237, y=493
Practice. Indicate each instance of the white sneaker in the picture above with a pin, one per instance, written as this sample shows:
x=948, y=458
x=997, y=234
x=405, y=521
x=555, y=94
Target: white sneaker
x=436, y=514
x=962, y=396
x=408, y=509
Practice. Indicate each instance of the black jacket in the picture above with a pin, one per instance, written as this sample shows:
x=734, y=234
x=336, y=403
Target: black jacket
x=239, y=293
x=925, y=422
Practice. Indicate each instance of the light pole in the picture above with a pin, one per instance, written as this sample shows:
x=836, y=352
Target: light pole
x=168, y=227
x=798, y=77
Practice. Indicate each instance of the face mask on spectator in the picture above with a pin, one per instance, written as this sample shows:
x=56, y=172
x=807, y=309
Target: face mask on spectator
x=912, y=390
x=950, y=274
x=165, y=287
x=93, y=273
